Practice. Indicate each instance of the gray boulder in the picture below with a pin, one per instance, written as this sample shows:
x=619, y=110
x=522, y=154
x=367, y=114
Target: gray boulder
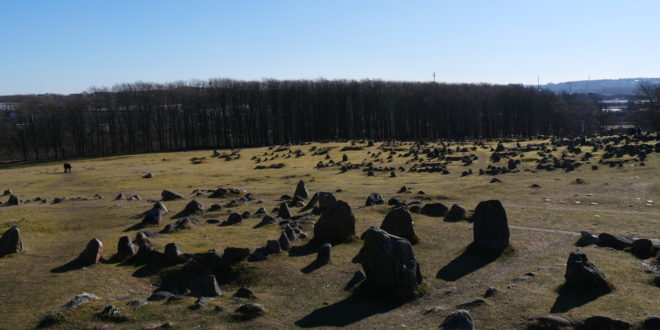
x=456, y=213
x=204, y=286
x=614, y=241
x=374, y=199
x=173, y=253
x=92, y=253
x=390, y=265
x=250, y=311
x=125, y=247
x=13, y=200
x=582, y=275
x=11, y=242
x=79, y=299
x=642, y=247
x=335, y=225
x=458, y=320
x=169, y=195
x=434, y=210
x=399, y=222
x=152, y=217
x=283, y=211
x=586, y=238
x=194, y=206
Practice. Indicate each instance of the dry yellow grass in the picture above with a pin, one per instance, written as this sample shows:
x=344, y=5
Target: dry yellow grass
x=54, y=234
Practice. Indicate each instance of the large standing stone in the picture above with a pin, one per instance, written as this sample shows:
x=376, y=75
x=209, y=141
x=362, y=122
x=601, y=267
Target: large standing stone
x=204, y=286
x=374, y=199
x=434, y=210
x=458, y=320
x=11, y=242
x=581, y=274
x=390, y=264
x=491, y=229
x=125, y=247
x=301, y=190
x=92, y=253
x=399, y=222
x=336, y=225
x=283, y=211
x=169, y=195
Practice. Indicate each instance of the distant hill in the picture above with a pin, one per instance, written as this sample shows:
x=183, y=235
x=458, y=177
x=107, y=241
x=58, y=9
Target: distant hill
x=627, y=86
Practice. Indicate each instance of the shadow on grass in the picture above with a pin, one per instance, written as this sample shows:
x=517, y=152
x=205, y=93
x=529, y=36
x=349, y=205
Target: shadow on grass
x=74, y=264
x=136, y=226
x=469, y=261
x=570, y=298
x=69, y=266
x=348, y=311
x=304, y=250
x=312, y=267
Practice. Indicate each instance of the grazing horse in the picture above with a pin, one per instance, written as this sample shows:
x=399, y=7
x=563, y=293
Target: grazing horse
x=67, y=168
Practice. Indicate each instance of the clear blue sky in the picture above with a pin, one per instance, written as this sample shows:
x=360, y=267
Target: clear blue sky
x=62, y=46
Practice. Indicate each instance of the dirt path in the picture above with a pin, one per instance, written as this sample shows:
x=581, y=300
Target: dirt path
x=581, y=209
x=557, y=231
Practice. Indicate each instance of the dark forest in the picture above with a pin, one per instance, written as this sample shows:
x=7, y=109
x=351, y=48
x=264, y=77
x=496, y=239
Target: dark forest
x=147, y=117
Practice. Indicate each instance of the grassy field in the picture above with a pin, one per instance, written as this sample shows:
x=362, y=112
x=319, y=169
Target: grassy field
x=54, y=234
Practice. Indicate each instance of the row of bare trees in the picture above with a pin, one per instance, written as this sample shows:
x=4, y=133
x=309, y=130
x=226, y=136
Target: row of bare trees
x=146, y=117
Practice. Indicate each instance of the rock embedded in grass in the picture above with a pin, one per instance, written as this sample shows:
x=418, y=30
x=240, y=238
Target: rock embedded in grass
x=456, y=213
x=374, y=199
x=92, y=253
x=125, y=247
x=79, y=299
x=301, y=190
x=168, y=195
x=582, y=275
x=204, y=286
x=458, y=320
x=336, y=225
x=11, y=241
x=399, y=222
x=434, y=210
x=250, y=311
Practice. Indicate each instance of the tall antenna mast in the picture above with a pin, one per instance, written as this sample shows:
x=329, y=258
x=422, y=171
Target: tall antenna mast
x=433, y=76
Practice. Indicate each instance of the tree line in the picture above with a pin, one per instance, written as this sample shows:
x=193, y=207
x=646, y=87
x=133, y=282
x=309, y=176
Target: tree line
x=223, y=113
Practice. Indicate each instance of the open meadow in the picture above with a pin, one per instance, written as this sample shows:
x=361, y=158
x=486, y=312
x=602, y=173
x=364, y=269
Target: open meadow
x=546, y=209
